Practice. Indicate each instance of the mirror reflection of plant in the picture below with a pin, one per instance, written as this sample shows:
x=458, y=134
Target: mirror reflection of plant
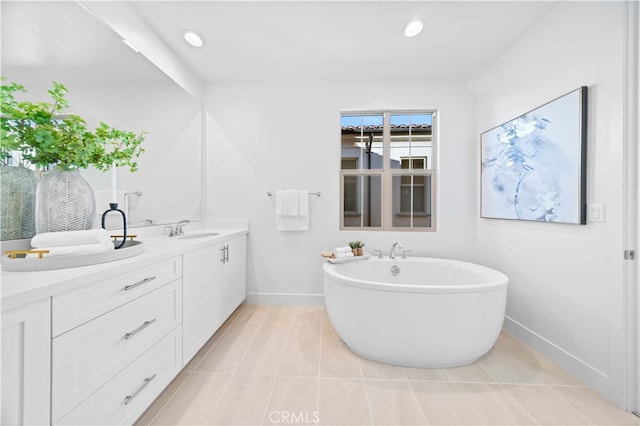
x=119, y=147
x=44, y=135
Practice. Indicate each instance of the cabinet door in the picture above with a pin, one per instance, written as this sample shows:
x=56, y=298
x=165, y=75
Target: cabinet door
x=26, y=360
x=234, y=275
x=200, y=298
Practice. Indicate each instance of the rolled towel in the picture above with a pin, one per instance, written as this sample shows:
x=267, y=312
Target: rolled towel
x=70, y=238
x=341, y=255
x=77, y=250
x=345, y=249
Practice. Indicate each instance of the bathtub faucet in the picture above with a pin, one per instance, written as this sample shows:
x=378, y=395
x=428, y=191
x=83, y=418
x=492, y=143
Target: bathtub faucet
x=392, y=253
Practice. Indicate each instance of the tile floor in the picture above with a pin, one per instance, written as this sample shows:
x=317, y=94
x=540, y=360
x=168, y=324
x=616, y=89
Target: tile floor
x=286, y=365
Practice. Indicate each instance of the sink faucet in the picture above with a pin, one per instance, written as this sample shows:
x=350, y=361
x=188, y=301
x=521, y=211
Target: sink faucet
x=179, y=226
x=392, y=253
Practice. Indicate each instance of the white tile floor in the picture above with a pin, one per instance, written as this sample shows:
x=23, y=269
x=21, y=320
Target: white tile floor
x=286, y=365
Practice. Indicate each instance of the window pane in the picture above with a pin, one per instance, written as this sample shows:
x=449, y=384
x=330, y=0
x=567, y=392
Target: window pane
x=411, y=201
x=411, y=137
x=362, y=140
x=362, y=201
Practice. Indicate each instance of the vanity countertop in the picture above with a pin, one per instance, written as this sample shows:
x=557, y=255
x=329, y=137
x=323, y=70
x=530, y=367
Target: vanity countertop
x=21, y=288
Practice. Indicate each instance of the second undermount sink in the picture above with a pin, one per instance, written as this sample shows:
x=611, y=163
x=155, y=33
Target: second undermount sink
x=198, y=235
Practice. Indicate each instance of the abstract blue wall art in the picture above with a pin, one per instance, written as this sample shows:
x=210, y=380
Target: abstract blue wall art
x=534, y=166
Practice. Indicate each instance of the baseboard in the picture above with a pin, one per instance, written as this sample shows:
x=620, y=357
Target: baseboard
x=285, y=299
x=589, y=375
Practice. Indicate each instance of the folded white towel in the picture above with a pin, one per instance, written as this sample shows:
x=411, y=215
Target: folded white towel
x=340, y=255
x=292, y=210
x=69, y=238
x=77, y=250
x=345, y=249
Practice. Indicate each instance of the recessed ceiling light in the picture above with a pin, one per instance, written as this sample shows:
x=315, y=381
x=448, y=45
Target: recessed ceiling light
x=414, y=27
x=193, y=38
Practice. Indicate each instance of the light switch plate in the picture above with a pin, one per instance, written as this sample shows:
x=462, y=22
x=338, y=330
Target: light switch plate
x=596, y=212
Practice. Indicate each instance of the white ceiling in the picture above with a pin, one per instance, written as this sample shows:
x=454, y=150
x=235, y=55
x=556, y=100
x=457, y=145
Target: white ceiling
x=59, y=40
x=269, y=40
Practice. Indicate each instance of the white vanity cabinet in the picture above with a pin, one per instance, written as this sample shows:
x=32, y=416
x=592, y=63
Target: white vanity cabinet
x=214, y=284
x=104, y=365
x=26, y=362
x=98, y=344
x=233, y=274
x=201, y=298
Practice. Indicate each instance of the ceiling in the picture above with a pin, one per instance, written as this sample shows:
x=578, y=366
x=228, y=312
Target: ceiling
x=72, y=47
x=260, y=40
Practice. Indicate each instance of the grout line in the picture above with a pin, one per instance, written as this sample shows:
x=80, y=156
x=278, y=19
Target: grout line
x=364, y=386
x=232, y=374
x=513, y=398
x=479, y=362
x=168, y=399
x=208, y=351
x=575, y=407
x=466, y=401
x=275, y=380
x=189, y=375
x=417, y=401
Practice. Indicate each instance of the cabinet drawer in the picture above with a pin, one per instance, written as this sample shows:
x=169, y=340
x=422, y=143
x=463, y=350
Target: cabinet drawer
x=88, y=356
x=124, y=398
x=76, y=307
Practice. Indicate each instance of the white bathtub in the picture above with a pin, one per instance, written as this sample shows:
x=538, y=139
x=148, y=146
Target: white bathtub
x=433, y=313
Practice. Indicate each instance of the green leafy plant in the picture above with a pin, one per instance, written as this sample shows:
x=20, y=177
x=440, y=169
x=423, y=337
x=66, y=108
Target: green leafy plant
x=43, y=135
x=356, y=244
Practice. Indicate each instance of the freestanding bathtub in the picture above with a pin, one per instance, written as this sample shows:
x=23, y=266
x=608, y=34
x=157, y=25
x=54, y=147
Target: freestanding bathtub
x=432, y=313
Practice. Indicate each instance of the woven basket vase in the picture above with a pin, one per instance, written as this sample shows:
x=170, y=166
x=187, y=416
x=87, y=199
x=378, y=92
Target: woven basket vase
x=64, y=202
x=17, y=203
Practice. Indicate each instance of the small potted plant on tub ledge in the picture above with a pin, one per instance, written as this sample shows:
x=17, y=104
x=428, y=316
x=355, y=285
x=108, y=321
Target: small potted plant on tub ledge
x=357, y=247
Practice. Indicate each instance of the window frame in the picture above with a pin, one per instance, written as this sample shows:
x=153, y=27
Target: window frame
x=387, y=175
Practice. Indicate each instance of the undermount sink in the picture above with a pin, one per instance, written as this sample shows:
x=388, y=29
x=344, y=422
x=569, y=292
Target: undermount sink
x=198, y=235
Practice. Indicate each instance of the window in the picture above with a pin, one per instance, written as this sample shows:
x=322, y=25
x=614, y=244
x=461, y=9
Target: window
x=387, y=171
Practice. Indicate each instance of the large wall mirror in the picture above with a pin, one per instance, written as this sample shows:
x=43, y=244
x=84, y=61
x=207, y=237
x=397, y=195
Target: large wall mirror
x=109, y=82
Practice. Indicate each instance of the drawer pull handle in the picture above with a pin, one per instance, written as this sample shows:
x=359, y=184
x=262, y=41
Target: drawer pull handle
x=139, y=329
x=144, y=384
x=139, y=283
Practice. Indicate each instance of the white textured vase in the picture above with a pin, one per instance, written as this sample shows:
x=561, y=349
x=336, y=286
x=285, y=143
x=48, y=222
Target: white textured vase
x=64, y=202
x=18, y=196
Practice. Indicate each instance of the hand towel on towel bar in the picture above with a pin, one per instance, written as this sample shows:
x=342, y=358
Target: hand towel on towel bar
x=292, y=210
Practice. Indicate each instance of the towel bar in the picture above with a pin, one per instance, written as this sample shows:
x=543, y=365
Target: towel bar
x=269, y=193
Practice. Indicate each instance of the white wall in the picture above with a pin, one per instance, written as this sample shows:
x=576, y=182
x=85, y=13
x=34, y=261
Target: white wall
x=566, y=281
x=278, y=135
x=169, y=174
